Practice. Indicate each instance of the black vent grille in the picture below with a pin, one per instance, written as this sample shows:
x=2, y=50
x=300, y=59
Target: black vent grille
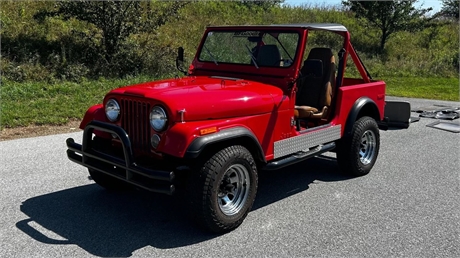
x=135, y=121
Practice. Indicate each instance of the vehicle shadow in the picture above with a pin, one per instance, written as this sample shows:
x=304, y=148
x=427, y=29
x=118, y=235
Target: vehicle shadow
x=116, y=224
x=280, y=184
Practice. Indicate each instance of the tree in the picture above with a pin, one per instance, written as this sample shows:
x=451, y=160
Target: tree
x=450, y=9
x=266, y=4
x=390, y=17
x=117, y=19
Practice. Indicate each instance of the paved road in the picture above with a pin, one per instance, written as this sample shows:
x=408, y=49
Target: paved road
x=408, y=206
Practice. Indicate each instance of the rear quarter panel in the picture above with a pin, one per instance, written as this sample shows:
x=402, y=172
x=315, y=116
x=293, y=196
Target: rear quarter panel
x=351, y=91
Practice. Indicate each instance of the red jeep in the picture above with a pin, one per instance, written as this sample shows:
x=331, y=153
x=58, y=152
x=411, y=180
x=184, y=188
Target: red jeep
x=254, y=98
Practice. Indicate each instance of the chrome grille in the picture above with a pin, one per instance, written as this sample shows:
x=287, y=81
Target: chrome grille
x=135, y=121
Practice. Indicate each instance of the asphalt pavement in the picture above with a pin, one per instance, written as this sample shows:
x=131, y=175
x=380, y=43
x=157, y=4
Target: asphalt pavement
x=408, y=206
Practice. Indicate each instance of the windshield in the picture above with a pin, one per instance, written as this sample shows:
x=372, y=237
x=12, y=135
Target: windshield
x=254, y=48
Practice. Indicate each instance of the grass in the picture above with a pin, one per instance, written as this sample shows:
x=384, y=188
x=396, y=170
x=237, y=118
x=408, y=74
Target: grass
x=24, y=104
x=425, y=88
x=38, y=103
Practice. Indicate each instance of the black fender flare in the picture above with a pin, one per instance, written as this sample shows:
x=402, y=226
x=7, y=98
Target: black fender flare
x=364, y=104
x=200, y=143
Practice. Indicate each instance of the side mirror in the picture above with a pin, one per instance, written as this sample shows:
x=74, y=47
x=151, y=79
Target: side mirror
x=180, y=58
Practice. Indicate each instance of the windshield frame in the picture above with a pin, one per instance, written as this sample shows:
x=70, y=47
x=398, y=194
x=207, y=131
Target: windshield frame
x=266, y=30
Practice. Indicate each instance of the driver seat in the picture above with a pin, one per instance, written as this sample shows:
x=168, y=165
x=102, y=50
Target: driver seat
x=314, y=95
x=269, y=55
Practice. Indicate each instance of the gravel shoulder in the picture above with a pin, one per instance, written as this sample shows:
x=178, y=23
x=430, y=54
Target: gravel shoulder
x=38, y=130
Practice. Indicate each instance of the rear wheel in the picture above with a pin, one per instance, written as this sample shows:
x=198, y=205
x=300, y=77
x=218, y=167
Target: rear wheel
x=223, y=190
x=357, y=153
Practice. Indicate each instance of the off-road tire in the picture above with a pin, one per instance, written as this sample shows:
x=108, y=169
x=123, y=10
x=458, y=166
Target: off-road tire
x=223, y=189
x=357, y=153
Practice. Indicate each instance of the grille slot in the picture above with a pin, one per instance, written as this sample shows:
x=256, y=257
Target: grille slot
x=135, y=121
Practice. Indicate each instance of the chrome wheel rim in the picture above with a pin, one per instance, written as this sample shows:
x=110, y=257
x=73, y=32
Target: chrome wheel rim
x=233, y=189
x=367, y=147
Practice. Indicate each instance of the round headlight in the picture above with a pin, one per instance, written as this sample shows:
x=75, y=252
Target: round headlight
x=112, y=110
x=158, y=118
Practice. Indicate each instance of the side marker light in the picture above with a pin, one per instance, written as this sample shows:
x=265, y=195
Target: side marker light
x=208, y=130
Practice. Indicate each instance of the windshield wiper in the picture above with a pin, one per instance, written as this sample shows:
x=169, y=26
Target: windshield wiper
x=282, y=46
x=209, y=52
x=252, y=56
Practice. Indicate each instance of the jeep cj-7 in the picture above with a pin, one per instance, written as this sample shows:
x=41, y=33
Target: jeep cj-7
x=254, y=98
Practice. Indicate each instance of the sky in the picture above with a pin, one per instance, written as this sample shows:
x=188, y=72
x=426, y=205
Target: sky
x=435, y=4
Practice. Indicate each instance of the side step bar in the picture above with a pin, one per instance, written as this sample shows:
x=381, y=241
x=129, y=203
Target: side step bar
x=299, y=156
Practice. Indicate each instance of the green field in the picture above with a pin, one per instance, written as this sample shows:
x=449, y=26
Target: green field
x=426, y=88
x=36, y=103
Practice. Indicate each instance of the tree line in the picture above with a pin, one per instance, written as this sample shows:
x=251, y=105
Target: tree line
x=71, y=40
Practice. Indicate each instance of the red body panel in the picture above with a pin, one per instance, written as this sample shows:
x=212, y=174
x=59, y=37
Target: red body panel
x=211, y=102
x=347, y=97
x=95, y=112
x=180, y=135
x=205, y=98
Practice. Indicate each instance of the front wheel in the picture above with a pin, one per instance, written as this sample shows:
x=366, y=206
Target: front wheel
x=357, y=153
x=223, y=190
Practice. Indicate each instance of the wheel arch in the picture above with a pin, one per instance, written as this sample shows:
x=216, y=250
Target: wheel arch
x=224, y=138
x=95, y=112
x=363, y=106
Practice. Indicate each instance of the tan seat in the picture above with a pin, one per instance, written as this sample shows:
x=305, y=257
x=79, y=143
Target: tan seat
x=269, y=55
x=316, y=86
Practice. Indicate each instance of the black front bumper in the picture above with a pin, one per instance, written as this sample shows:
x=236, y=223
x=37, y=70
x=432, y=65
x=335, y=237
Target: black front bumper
x=124, y=168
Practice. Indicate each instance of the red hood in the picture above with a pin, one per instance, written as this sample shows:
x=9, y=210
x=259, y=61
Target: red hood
x=209, y=97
